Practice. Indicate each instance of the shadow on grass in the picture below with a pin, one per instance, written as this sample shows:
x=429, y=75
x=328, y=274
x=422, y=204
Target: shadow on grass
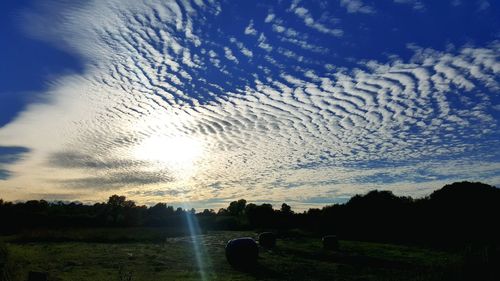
x=98, y=235
x=355, y=263
x=260, y=272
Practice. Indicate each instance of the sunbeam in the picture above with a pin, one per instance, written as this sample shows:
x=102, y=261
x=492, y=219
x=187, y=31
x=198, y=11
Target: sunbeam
x=199, y=250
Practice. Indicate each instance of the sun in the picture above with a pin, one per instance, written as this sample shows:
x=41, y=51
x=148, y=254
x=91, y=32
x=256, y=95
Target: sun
x=176, y=153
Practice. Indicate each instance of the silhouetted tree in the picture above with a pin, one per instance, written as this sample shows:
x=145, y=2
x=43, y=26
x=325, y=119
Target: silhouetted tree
x=260, y=215
x=237, y=208
x=222, y=212
x=120, y=211
x=458, y=214
x=208, y=212
x=286, y=209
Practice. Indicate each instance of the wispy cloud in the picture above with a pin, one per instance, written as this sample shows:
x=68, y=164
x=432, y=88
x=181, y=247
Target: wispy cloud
x=416, y=4
x=357, y=6
x=309, y=21
x=483, y=5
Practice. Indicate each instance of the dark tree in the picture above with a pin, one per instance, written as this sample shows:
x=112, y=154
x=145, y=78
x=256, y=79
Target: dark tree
x=237, y=208
x=286, y=209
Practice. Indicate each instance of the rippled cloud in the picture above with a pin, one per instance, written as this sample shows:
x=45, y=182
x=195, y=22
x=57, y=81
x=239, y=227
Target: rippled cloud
x=178, y=104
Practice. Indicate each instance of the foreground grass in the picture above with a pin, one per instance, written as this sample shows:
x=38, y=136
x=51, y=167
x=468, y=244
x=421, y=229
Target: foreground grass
x=173, y=258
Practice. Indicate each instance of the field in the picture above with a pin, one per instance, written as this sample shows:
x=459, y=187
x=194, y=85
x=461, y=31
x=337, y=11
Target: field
x=160, y=254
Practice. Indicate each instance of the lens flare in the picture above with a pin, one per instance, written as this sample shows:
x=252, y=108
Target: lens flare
x=199, y=250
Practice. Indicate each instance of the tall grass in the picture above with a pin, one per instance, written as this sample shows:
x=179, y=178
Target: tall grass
x=4, y=262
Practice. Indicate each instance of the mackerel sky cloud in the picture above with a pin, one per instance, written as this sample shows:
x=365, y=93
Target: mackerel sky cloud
x=307, y=102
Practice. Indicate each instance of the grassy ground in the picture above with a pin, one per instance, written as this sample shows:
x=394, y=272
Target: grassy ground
x=173, y=258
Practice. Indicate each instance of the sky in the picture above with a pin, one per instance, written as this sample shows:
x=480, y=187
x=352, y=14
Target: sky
x=203, y=102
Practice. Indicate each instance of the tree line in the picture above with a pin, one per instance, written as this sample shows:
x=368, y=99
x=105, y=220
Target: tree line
x=462, y=212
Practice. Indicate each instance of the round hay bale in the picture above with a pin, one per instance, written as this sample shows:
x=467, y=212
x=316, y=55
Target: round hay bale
x=242, y=252
x=267, y=240
x=330, y=242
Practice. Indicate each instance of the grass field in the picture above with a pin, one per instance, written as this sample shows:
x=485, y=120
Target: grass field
x=142, y=255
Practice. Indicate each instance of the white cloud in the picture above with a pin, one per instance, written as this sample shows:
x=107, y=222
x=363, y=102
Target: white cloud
x=301, y=12
x=250, y=30
x=309, y=21
x=263, y=43
x=229, y=55
x=241, y=47
x=269, y=18
x=356, y=6
x=278, y=28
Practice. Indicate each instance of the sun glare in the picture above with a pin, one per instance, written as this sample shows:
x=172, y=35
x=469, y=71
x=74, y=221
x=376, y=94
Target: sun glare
x=177, y=153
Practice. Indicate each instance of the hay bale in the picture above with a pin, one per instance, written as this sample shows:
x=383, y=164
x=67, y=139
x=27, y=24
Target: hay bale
x=267, y=240
x=38, y=276
x=330, y=242
x=242, y=252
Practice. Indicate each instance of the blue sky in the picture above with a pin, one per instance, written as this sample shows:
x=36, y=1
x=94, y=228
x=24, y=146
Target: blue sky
x=205, y=102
